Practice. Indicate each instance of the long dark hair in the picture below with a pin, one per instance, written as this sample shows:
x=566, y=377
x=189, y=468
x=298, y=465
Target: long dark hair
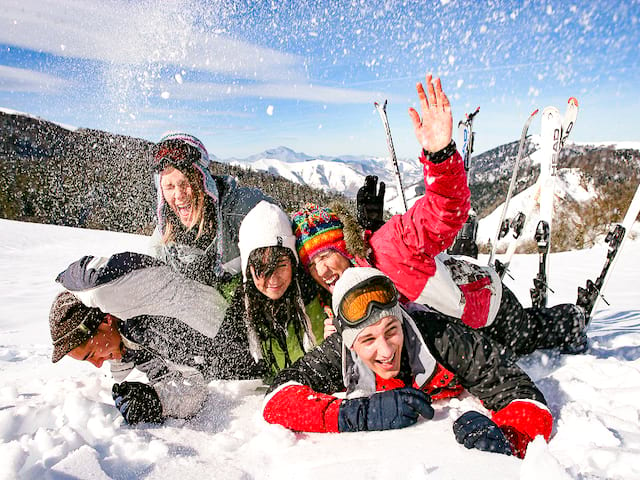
x=270, y=319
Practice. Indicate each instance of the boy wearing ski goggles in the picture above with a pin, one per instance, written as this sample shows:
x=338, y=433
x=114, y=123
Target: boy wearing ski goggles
x=393, y=366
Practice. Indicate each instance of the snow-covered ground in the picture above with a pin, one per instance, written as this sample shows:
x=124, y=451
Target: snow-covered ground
x=58, y=421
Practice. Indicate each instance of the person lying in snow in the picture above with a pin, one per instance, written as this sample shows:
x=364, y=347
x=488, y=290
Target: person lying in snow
x=172, y=313
x=392, y=366
x=85, y=333
x=266, y=326
x=409, y=248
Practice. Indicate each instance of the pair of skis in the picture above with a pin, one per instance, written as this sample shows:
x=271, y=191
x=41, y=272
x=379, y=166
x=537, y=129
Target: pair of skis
x=502, y=267
x=554, y=132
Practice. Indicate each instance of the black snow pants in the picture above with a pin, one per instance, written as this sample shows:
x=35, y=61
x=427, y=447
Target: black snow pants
x=524, y=330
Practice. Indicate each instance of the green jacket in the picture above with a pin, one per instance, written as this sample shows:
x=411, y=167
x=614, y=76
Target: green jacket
x=316, y=315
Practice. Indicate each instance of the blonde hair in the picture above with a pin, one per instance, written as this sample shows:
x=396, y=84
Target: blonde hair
x=195, y=182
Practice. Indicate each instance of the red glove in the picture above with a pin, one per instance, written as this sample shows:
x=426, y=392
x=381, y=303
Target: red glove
x=297, y=407
x=522, y=421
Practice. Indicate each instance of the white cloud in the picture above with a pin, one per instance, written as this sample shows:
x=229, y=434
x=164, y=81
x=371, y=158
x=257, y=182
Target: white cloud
x=293, y=91
x=22, y=80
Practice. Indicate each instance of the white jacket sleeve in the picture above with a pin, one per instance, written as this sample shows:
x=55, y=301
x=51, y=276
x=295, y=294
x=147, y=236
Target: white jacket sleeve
x=128, y=285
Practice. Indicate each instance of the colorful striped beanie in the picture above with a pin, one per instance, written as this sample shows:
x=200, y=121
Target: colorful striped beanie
x=318, y=229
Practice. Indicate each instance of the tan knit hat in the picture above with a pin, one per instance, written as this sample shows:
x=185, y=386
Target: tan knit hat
x=71, y=323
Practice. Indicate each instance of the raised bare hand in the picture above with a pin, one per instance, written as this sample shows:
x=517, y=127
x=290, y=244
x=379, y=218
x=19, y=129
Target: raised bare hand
x=433, y=131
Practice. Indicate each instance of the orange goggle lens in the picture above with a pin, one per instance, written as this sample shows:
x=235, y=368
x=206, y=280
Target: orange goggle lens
x=357, y=304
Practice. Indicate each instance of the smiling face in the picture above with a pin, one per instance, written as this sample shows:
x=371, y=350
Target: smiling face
x=274, y=285
x=379, y=346
x=180, y=195
x=326, y=268
x=106, y=344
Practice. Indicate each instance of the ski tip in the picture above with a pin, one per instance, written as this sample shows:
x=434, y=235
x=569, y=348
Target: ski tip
x=573, y=101
x=534, y=112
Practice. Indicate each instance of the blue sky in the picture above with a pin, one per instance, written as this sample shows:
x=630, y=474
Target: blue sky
x=245, y=76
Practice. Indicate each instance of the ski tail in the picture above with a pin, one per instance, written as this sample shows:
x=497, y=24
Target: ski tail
x=514, y=175
x=465, y=138
x=382, y=110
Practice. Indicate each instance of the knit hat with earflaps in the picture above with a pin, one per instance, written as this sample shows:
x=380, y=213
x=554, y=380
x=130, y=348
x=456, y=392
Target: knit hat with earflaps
x=320, y=228
x=359, y=379
x=181, y=151
x=266, y=225
x=71, y=323
x=351, y=278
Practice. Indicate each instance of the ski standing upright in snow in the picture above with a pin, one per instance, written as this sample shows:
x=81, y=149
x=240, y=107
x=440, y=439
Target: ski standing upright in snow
x=554, y=132
x=589, y=296
x=502, y=267
x=382, y=110
x=465, y=241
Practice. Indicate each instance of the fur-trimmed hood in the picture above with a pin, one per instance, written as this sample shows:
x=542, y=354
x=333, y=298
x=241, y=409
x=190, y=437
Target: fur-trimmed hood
x=354, y=235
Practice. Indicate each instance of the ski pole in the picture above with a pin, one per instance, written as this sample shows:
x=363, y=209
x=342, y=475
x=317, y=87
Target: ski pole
x=382, y=110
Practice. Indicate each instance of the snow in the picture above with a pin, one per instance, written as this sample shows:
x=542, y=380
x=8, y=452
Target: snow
x=339, y=174
x=58, y=421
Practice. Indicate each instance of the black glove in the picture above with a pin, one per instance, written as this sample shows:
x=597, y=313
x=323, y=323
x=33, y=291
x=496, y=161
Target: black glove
x=370, y=205
x=389, y=410
x=475, y=430
x=137, y=402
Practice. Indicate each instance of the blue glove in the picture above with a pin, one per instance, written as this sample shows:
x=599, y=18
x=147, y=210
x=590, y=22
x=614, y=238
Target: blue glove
x=370, y=205
x=475, y=430
x=389, y=410
x=137, y=402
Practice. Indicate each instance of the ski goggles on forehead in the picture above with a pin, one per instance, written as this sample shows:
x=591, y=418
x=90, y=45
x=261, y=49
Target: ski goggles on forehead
x=178, y=155
x=358, y=303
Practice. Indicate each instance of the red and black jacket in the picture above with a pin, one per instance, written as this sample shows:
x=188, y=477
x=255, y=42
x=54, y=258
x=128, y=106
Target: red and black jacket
x=302, y=397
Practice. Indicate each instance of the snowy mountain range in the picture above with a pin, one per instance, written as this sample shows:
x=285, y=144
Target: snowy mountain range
x=592, y=187
x=343, y=174
x=575, y=186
